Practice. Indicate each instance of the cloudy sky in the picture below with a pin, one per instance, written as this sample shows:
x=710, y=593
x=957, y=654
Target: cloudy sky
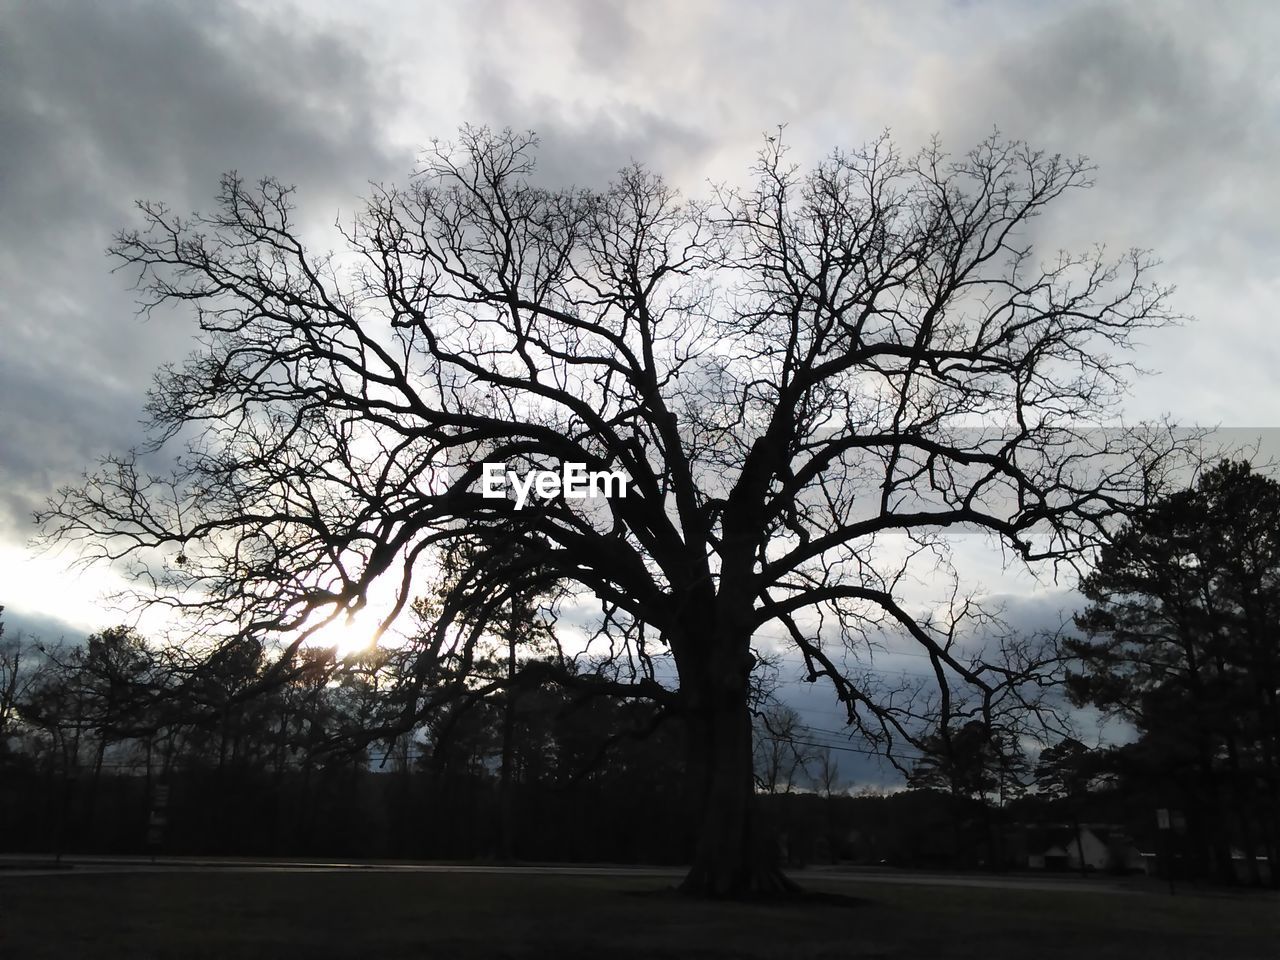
x=1178, y=104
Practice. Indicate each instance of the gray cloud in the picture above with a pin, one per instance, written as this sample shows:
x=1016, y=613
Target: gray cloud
x=38, y=628
x=102, y=104
x=1176, y=104
x=587, y=147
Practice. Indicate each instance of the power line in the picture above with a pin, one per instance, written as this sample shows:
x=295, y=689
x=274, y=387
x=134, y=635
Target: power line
x=844, y=749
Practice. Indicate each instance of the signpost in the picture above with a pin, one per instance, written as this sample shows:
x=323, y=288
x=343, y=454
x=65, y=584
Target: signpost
x=1165, y=823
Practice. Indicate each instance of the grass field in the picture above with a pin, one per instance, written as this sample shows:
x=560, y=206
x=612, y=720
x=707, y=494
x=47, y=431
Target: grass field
x=381, y=916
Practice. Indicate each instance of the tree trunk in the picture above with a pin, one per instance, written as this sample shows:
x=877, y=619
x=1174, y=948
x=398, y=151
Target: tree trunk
x=731, y=859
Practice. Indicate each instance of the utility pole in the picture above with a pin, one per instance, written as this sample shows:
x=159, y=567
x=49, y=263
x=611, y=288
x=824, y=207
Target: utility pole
x=506, y=798
x=1164, y=822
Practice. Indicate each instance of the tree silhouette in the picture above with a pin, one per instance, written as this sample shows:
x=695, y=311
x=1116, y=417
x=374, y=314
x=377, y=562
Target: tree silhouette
x=23, y=668
x=519, y=624
x=1182, y=643
x=797, y=378
x=973, y=761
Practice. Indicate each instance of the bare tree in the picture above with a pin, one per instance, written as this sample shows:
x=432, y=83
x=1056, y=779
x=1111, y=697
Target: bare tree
x=23, y=667
x=11, y=664
x=783, y=750
x=798, y=378
x=826, y=773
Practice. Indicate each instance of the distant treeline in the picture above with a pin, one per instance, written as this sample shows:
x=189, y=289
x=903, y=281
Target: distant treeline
x=99, y=755
x=97, y=758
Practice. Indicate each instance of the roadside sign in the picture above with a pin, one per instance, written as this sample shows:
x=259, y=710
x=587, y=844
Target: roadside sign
x=1162, y=818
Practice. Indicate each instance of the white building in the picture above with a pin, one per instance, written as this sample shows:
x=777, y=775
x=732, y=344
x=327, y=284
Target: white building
x=1099, y=846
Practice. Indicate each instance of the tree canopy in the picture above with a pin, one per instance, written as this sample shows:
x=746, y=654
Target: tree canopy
x=1181, y=642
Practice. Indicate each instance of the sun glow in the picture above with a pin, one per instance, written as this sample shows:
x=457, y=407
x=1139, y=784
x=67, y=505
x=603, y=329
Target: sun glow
x=348, y=635
x=354, y=633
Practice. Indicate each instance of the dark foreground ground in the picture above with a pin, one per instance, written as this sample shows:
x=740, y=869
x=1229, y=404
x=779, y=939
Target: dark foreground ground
x=381, y=916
